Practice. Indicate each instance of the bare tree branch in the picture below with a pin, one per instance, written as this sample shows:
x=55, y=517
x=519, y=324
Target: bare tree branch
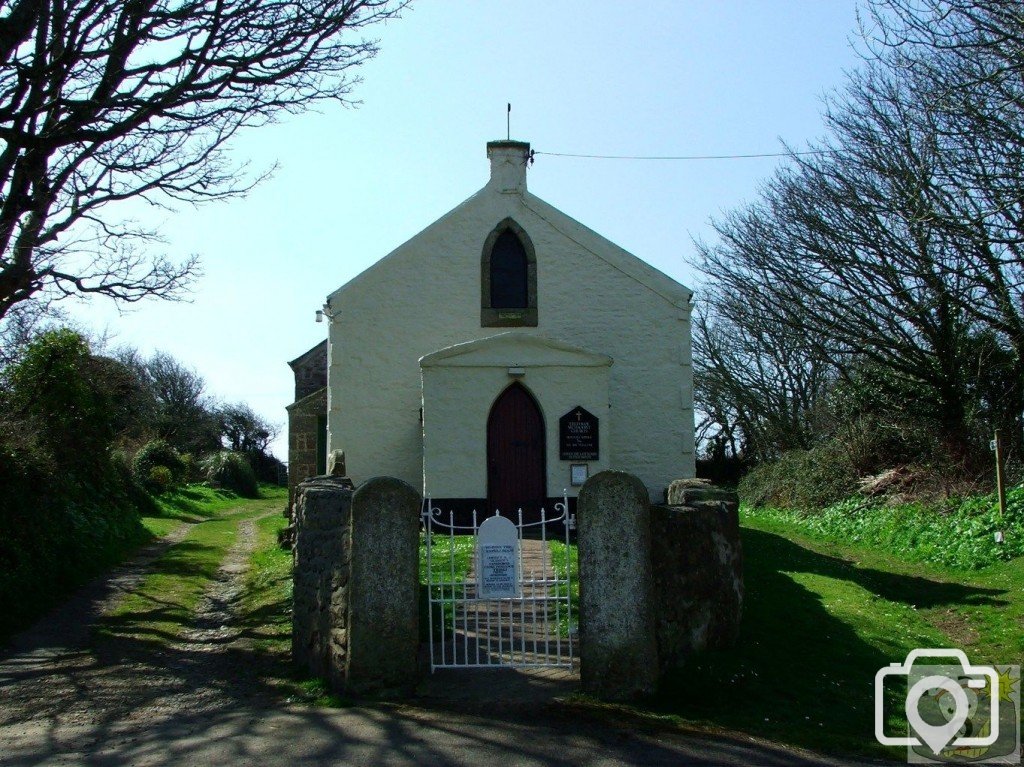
x=103, y=101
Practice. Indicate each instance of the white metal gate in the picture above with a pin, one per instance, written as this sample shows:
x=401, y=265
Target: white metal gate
x=534, y=628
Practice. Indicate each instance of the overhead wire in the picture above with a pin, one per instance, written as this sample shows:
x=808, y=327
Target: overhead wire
x=678, y=157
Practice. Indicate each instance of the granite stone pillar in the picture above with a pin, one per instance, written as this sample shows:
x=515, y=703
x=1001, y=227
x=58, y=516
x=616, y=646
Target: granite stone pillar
x=355, y=617
x=323, y=515
x=697, y=563
x=618, y=649
x=383, y=620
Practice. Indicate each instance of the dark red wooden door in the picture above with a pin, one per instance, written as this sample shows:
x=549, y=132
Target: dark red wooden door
x=516, y=476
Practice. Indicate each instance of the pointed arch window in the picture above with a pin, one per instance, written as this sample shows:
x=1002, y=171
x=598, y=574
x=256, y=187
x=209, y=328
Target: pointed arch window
x=508, y=278
x=508, y=272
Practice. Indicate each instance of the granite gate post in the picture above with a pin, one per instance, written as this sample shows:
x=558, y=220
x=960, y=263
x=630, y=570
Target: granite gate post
x=383, y=617
x=356, y=575
x=697, y=562
x=618, y=648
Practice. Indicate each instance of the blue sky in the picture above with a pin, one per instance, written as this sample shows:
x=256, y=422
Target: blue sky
x=689, y=77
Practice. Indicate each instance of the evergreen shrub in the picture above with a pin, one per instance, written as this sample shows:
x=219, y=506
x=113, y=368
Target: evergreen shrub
x=159, y=480
x=158, y=453
x=802, y=479
x=232, y=472
x=67, y=509
x=193, y=470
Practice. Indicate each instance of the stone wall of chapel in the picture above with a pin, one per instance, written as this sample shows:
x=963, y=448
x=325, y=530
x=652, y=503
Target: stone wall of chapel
x=311, y=373
x=303, y=421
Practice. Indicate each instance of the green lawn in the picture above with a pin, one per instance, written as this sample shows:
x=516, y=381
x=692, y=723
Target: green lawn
x=451, y=557
x=266, y=602
x=563, y=557
x=819, y=620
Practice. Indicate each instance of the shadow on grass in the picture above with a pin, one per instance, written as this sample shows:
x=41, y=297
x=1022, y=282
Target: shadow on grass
x=181, y=559
x=894, y=587
x=190, y=504
x=232, y=696
x=271, y=622
x=799, y=673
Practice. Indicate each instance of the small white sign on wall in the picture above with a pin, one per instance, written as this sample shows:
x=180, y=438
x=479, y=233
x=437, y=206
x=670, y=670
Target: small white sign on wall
x=578, y=473
x=497, y=559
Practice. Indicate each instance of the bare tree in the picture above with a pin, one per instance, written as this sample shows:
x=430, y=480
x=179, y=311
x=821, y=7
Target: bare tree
x=895, y=255
x=24, y=322
x=850, y=251
x=963, y=61
x=760, y=387
x=104, y=101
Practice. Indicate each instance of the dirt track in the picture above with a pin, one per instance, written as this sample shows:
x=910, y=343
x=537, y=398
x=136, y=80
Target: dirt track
x=60, y=674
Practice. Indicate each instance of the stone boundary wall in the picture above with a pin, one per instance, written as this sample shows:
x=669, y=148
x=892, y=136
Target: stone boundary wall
x=697, y=566
x=657, y=582
x=320, y=556
x=355, y=616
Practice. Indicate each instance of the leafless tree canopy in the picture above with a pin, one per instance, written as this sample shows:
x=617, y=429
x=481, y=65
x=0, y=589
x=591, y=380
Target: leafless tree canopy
x=898, y=249
x=759, y=385
x=104, y=101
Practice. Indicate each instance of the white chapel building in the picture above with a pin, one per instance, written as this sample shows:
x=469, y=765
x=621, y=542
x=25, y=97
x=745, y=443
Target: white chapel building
x=506, y=352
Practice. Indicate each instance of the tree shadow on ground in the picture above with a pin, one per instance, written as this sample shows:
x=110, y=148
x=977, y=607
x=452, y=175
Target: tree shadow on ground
x=232, y=717
x=180, y=559
x=189, y=504
x=894, y=587
x=799, y=673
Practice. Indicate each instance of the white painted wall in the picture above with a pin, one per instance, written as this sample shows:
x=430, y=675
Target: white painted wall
x=460, y=389
x=425, y=296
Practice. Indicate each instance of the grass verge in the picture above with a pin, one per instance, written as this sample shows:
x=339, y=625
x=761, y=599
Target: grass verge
x=961, y=535
x=820, y=618
x=265, y=615
x=194, y=503
x=265, y=610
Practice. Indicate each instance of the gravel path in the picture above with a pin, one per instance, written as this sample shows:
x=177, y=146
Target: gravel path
x=57, y=675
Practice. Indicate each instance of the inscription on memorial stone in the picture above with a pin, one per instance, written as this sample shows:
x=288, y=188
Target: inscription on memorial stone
x=497, y=559
x=577, y=436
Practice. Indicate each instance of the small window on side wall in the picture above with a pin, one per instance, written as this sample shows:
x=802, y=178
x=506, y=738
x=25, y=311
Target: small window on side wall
x=508, y=278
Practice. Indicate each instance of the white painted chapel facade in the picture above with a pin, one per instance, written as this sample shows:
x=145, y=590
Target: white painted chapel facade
x=505, y=352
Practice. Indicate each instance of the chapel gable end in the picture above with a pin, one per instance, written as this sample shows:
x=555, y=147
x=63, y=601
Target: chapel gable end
x=310, y=370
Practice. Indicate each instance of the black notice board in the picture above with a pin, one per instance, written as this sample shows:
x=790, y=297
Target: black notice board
x=578, y=436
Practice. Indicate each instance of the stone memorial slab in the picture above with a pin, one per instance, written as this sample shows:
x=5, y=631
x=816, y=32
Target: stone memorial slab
x=578, y=436
x=497, y=559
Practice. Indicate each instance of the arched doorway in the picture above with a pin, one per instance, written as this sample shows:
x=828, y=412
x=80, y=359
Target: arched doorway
x=516, y=469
